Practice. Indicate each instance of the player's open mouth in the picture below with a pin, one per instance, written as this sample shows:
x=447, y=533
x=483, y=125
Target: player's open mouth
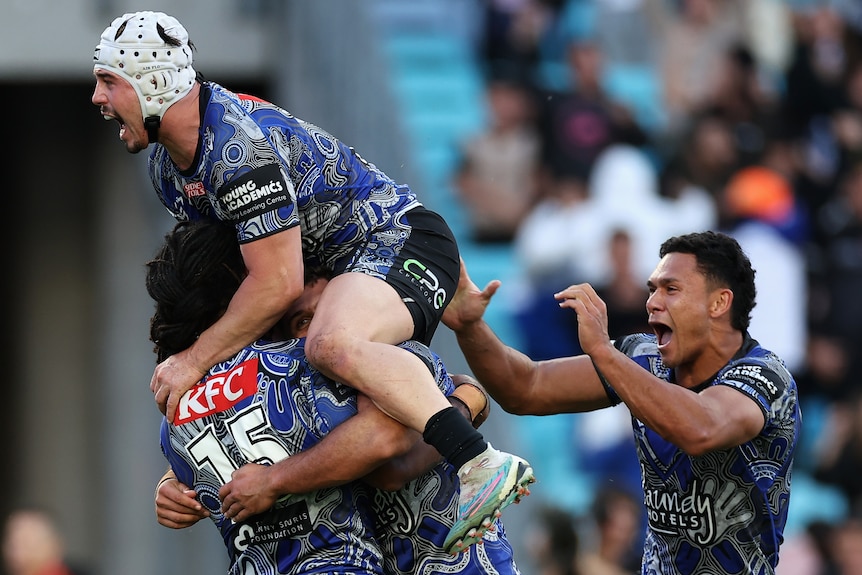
x=662, y=333
x=119, y=121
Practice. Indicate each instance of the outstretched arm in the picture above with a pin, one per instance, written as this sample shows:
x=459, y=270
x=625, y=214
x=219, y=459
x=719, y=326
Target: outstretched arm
x=350, y=451
x=519, y=384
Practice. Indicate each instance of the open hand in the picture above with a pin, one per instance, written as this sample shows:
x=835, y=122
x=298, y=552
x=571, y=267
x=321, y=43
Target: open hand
x=469, y=303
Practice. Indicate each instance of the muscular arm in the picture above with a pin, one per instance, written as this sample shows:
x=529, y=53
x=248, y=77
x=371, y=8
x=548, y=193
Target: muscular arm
x=719, y=417
x=370, y=445
x=519, y=384
x=350, y=451
x=274, y=281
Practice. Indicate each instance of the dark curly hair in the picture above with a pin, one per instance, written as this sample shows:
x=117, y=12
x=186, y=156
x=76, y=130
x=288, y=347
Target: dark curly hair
x=192, y=279
x=721, y=259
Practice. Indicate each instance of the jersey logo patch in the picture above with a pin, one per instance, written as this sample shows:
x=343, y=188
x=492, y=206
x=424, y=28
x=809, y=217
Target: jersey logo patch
x=259, y=191
x=293, y=520
x=218, y=393
x=757, y=377
x=194, y=189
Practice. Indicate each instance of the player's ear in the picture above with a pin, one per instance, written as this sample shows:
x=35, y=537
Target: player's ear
x=721, y=302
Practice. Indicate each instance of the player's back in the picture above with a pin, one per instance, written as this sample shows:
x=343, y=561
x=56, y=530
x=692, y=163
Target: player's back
x=262, y=406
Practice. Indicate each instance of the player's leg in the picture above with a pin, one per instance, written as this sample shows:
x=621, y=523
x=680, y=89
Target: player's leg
x=351, y=339
x=396, y=288
x=357, y=311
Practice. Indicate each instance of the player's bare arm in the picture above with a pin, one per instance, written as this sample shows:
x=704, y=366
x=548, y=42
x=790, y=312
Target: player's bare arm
x=273, y=282
x=370, y=446
x=519, y=384
x=359, y=445
x=716, y=418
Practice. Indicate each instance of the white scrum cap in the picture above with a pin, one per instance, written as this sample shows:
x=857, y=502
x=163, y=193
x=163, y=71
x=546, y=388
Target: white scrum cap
x=151, y=50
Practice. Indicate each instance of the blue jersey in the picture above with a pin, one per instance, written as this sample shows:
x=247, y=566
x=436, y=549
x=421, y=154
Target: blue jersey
x=262, y=406
x=267, y=403
x=725, y=511
x=265, y=170
x=412, y=525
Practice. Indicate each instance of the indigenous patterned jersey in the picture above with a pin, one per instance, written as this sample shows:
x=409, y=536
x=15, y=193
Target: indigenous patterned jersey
x=268, y=403
x=413, y=523
x=265, y=170
x=725, y=511
x=263, y=405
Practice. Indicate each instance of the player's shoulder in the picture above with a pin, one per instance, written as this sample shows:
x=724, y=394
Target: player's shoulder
x=758, y=368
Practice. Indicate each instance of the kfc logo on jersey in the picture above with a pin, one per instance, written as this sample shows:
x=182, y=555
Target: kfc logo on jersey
x=218, y=393
x=194, y=189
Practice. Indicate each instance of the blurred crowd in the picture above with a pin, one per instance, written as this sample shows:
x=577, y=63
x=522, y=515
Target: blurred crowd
x=614, y=124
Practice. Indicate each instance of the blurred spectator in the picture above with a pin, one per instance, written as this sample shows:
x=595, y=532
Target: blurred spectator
x=835, y=268
x=738, y=99
x=839, y=453
x=847, y=546
x=567, y=239
x=762, y=210
x=695, y=40
x=624, y=292
x=32, y=545
x=818, y=99
x=579, y=124
x=554, y=543
x=629, y=30
x=497, y=181
x=624, y=193
x=820, y=61
x=768, y=31
x=692, y=204
x=847, y=119
x=618, y=520
x=513, y=32
x=551, y=247
x=706, y=154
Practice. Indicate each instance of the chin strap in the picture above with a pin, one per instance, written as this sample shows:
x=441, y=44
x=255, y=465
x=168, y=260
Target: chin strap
x=152, y=123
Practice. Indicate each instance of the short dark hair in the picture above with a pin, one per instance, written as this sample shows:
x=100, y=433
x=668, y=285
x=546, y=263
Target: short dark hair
x=723, y=262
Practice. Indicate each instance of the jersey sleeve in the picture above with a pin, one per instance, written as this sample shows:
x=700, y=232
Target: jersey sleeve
x=260, y=201
x=434, y=364
x=759, y=381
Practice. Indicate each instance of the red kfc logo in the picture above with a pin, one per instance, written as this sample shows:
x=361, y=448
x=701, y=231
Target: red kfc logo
x=218, y=393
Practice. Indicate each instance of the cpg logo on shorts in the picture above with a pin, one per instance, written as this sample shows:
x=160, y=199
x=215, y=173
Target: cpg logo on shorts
x=427, y=280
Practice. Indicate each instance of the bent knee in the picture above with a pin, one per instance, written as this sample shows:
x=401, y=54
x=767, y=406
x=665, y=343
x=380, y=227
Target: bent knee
x=333, y=353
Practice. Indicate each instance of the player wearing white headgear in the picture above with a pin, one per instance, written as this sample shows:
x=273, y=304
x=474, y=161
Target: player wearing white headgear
x=152, y=51
x=296, y=195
